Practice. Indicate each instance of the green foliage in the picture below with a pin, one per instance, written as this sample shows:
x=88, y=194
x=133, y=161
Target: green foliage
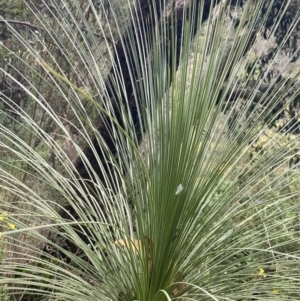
x=144, y=164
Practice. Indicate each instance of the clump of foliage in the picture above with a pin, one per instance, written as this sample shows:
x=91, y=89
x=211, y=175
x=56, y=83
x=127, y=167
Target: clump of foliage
x=134, y=179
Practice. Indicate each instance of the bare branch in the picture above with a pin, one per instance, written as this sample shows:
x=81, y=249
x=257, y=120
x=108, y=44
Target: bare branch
x=24, y=23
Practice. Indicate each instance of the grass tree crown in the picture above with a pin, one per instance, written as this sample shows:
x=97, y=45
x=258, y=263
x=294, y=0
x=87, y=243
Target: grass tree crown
x=150, y=150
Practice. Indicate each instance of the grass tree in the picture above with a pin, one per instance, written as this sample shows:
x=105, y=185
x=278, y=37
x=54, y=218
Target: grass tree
x=152, y=190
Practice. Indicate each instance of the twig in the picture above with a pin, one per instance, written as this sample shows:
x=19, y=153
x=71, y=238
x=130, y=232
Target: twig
x=21, y=23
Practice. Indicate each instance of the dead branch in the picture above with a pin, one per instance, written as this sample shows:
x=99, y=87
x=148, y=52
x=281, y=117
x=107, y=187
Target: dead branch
x=24, y=23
